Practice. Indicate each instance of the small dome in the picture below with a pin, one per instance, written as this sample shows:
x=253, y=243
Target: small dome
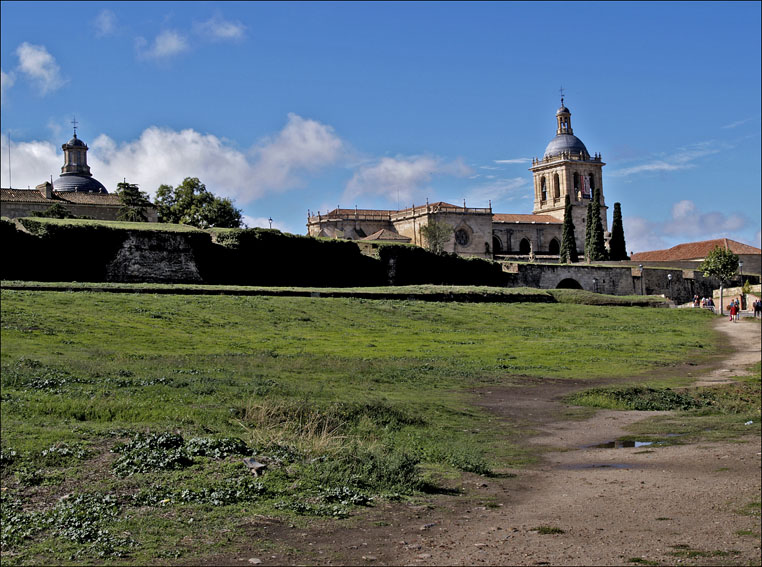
x=565, y=143
x=562, y=110
x=75, y=142
x=78, y=183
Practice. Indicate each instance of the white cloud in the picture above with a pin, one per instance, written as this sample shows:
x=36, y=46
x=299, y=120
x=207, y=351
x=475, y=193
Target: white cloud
x=515, y=160
x=402, y=176
x=7, y=80
x=222, y=30
x=104, y=23
x=498, y=190
x=686, y=224
x=32, y=163
x=303, y=145
x=741, y=122
x=758, y=239
x=167, y=44
x=40, y=66
x=642, y=235
x=681, y=159
x=165, y=156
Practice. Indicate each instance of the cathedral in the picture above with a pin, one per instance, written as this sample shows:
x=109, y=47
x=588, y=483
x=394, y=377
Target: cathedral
x=566, y=168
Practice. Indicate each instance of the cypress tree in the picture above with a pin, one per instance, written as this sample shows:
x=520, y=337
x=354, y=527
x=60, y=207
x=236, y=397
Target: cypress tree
x=588, y=230
x=617, y=246
x=597, y=250
x=568, y=243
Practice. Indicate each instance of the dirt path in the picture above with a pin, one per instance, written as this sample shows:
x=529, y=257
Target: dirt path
x=615, y=506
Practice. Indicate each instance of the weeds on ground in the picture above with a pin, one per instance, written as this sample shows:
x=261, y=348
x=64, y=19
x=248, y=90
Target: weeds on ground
x=140, y=410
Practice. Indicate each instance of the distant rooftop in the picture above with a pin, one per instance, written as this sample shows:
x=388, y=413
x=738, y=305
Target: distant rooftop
x=695, y=250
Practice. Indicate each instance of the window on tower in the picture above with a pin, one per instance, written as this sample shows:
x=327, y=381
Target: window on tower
x=543, y=190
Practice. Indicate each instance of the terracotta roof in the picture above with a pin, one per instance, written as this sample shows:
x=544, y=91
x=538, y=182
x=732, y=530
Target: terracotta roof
x=89, y=198
x=384, y=234
x=526, y=218
x=695, y=250
x=23, y=196
x=34, y=196
x=343, y=213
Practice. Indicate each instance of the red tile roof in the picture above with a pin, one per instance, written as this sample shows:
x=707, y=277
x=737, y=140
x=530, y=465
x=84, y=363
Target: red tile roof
x=695, y=250
x=526, y=218
x=384, y=234
x=22, y=196
x=34, y=196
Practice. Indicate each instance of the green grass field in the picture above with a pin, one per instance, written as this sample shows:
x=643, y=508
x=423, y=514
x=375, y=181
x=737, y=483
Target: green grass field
x=126, y=416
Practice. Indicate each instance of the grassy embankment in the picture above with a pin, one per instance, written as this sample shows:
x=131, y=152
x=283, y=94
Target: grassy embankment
x=141, y=408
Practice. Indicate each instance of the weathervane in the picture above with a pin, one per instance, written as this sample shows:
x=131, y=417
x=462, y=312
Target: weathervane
x=74, y=123
x=561, y=90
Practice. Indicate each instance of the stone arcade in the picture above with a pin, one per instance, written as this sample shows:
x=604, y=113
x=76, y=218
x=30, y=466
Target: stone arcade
x=566, y=168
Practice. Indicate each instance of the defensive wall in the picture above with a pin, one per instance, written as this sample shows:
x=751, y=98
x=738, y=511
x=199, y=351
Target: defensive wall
x=39, y=249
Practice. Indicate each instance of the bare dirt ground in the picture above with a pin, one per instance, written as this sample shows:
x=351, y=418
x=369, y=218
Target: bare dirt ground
x=673, y=505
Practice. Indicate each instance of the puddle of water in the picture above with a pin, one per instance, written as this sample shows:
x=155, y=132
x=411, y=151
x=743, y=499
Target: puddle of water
x=581, y=466
x=627, y=444
x=620, y=444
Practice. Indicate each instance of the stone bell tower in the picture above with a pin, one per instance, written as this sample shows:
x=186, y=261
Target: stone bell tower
x=567, y=168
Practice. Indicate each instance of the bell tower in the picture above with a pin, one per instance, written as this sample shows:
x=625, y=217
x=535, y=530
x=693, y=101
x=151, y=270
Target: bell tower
x=567, y=168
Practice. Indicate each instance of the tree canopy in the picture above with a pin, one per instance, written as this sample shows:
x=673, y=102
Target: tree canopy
x=134, y=202
x=720, y=263
x=436, y=234
x=192, y=203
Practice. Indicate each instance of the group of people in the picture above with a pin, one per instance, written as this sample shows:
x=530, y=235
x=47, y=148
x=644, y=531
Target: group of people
x=734, y=308
x=703, y=302
x=757, y=308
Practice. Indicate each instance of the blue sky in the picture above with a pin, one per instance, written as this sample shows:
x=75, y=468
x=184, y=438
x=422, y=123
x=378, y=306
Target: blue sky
x=286, y=107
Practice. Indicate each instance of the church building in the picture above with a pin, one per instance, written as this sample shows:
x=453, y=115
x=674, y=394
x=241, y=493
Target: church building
x=566, y=168
x=75, y=189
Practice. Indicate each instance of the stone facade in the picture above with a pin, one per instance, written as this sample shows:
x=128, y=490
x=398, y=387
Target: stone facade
x=471, y=227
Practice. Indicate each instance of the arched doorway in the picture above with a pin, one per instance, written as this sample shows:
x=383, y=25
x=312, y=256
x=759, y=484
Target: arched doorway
x=524, y=246
x=568, y=283
x=497, y=246
x=554, y=247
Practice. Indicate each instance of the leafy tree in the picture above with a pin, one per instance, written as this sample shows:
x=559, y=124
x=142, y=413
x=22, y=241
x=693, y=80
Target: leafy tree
x=134, y=203
x=568, y=243
x=597, y=247
x=191, y=203
x=720, y=263
x=55, y=211
x=436, y=234
x=617, y=246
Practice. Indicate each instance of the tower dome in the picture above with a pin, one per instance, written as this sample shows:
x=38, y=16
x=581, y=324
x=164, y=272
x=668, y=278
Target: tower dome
x=565, y=140
x=75, y=173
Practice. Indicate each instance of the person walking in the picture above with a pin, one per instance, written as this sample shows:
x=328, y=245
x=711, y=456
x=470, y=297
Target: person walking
x=732, y=310
x=738, y=310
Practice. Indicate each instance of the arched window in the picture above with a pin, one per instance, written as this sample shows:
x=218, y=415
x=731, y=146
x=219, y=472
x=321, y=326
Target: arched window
x=576, y=181
x=556, y=187
x=592, y=182
x=554, y=247
x=543, y=190
x=497, y=246
x=524, y=247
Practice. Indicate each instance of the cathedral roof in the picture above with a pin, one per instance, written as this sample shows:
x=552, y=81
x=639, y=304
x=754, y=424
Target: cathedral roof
x=563, y=143
x=525, y=218
x=80, y=183
x=562, y=110
x=387, y=235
